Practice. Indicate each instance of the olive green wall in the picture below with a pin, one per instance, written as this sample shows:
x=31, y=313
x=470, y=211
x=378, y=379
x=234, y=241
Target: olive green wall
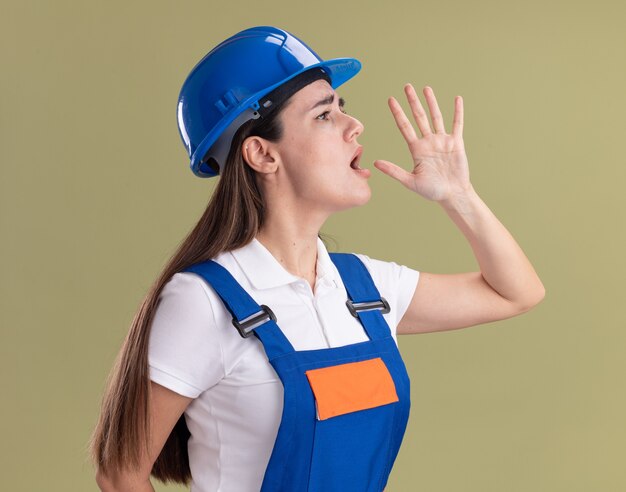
x=96, y=194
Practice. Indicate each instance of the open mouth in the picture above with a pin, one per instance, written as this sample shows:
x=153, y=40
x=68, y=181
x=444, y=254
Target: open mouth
x=354, y=164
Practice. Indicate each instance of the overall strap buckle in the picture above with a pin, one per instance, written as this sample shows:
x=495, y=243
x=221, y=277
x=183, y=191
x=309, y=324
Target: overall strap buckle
x=246, y=325
x=356, y=307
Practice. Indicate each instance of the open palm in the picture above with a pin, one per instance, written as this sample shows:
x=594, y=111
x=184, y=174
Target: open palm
x=440, y=167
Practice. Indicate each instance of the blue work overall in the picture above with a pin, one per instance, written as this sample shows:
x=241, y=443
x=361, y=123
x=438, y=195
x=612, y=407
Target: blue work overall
x=345, y=409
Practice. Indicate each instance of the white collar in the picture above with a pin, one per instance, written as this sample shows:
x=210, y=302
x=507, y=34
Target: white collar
x=264, y=271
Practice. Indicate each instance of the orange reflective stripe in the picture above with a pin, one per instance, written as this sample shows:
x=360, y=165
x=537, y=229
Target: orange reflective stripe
x=353, y=386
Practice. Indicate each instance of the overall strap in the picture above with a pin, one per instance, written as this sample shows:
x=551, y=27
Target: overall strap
x=248, y=316
x=364, y=301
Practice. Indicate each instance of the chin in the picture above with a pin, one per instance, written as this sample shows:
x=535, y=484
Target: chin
x=356, y=197
x=360, y=197
x=365, y=197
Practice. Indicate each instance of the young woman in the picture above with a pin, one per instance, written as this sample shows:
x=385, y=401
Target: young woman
x=259, y=360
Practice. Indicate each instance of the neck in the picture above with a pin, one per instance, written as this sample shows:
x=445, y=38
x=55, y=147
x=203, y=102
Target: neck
x=294, y=247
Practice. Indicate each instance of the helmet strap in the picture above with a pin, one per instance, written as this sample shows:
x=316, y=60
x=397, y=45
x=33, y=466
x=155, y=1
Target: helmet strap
x=281, y=93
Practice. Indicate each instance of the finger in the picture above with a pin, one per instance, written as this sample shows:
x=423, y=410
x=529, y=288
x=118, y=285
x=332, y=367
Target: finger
x=404, y=125
x=457, y=123
x=421, y=118
x=435, y=114
x=394, y=171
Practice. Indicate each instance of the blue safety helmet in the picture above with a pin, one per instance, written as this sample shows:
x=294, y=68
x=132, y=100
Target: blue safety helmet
x=225, y=88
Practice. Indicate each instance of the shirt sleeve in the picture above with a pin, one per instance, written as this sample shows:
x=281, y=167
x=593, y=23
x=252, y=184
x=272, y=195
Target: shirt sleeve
x=396, y=283
x=184, y=351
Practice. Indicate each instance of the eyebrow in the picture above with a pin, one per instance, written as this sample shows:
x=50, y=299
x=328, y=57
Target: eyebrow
x=328, y=100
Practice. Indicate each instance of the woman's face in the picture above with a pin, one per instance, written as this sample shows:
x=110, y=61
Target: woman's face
x=312, y=160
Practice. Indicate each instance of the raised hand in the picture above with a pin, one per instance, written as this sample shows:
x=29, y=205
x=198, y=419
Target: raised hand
x=440, y=167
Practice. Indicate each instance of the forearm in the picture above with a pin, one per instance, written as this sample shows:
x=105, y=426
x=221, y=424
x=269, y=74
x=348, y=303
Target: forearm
x=502, y=262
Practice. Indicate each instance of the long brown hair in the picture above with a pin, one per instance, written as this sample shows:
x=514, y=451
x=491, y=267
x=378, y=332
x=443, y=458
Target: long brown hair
x=232, y=218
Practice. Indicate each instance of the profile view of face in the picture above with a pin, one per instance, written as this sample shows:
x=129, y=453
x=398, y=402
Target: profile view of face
x=311, y=163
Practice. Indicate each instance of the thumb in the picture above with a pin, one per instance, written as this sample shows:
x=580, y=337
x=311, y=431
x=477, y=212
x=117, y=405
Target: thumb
x=392, y=170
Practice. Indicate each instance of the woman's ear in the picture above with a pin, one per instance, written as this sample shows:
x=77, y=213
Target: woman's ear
x=259, y=155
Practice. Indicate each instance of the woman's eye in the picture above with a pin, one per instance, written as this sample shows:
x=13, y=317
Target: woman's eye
x=327, y=112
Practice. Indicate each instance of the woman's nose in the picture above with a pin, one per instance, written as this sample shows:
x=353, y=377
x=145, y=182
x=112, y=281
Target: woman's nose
x=355, y=128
